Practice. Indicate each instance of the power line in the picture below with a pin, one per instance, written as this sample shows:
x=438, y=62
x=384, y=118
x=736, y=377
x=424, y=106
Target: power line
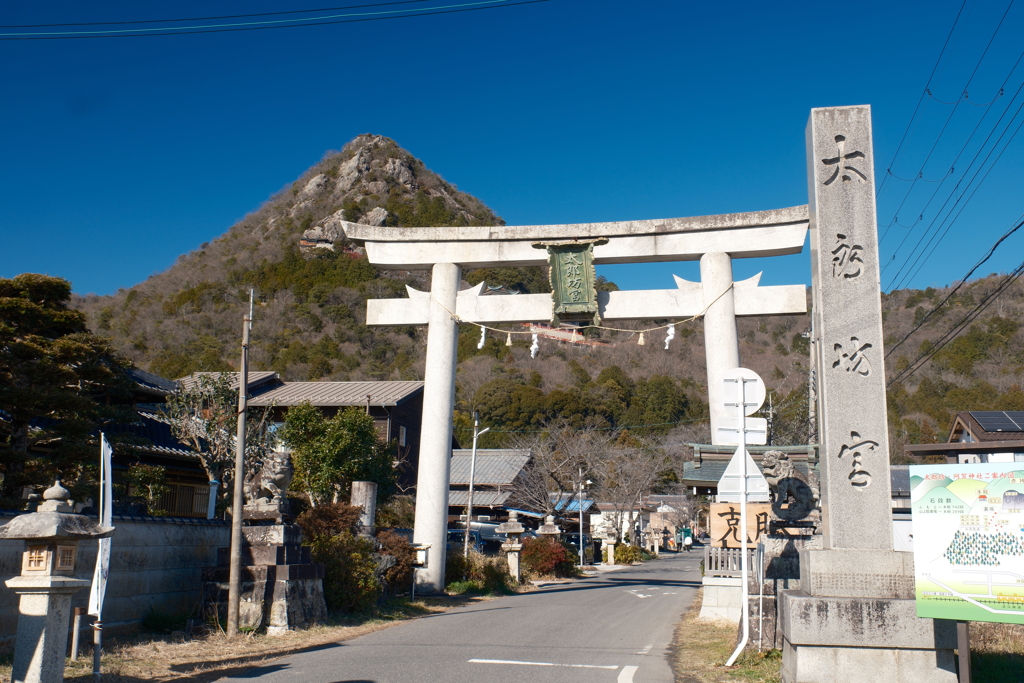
x=274, y=24
x=971, y=315
x=952, y=166
x=907, y=262
x=960, y=284
x=923, y=258
x=967, y=85
x=913, y=117
x=223, y=16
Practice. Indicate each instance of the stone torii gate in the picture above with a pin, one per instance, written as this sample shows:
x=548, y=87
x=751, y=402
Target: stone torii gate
x=714, y=240
x=854, y=610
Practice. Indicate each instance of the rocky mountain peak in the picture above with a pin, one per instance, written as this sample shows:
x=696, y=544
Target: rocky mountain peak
x=376, y=182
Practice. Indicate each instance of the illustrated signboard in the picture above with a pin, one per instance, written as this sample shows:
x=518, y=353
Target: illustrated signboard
x=969, y=541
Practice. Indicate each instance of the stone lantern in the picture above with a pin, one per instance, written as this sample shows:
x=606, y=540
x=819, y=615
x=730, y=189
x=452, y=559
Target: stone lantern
x=46, y=583
x=549, y=528
x=512, y=530
x=611, y=537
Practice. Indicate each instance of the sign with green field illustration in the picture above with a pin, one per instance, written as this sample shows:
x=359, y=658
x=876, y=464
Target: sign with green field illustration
x=969, y=541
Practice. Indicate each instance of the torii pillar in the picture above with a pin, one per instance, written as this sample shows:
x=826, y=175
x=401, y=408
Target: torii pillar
x=715, y=240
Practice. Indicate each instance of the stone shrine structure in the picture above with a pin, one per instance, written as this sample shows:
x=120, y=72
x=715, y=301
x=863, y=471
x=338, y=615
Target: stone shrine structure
x=513, y=529
x=282, y=588
x=46, y=583
x=854, y=611
x=713, y=240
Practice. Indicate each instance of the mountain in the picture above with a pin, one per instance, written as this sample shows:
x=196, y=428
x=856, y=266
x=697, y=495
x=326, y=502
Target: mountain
x=311, y=286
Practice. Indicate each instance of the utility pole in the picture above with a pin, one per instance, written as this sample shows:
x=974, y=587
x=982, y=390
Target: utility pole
x=472, y=475
x=235, y=571
x=581, y=518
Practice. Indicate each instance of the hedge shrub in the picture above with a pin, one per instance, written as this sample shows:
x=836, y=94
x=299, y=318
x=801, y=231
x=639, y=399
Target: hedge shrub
x=476, y=573
x=548, y=557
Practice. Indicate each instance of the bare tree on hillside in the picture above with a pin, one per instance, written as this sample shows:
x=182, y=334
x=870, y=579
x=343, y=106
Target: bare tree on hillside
x=562, y=456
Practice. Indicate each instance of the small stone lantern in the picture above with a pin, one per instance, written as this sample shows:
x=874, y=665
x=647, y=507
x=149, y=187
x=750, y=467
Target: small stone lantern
x=549, y=528
x=512, y=530
x=46, y=583
x=611, y=537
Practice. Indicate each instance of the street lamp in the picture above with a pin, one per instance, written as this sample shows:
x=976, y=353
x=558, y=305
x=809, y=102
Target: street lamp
x=581, y=515
x=472, y=473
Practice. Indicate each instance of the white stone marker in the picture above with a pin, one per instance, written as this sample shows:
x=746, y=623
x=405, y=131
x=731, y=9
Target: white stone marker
x=854, y=614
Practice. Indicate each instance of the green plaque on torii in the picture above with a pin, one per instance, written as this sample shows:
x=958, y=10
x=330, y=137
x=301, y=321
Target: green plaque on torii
x=573, y=281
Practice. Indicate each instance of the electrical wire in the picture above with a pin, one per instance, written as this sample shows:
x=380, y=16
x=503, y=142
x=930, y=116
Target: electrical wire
x=961, y=283
x=923, y=258
x=938, y=138
x=952, y=168
x=910, y=124
x=223, y=16
x=264, y=25
x=971, y=315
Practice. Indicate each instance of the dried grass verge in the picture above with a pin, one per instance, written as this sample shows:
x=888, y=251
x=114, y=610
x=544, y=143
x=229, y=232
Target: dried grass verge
x=997, y=652
x=700, y=649
x=178, y=657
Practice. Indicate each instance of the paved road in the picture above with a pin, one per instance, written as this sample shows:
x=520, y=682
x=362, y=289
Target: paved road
x=612, y=628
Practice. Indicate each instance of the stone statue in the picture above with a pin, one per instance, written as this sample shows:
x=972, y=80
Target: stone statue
x=793, y=498
x=269, y=484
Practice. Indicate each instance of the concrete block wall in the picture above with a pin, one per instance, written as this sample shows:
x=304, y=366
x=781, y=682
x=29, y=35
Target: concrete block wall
x=723, y=599
x=156, y=563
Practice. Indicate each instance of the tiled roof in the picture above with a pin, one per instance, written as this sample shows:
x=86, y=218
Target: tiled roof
x=156, y=384
x=711, y=471
x=338, y=393
x=155, y=434
x=256, y=378
x=482, y=498
x=494, y=467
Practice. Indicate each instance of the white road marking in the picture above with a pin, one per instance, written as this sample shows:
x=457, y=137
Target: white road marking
x=571, y=666
x=647, y=648
x=626, y=675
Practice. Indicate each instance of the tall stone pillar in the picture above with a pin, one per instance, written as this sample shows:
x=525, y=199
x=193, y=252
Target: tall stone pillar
x=436, y=435
x=854, y=611
x=721, y=340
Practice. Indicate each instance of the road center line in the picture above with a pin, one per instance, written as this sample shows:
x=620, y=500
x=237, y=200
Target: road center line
x=571, y=666
x=647, y=648
x=626, y=675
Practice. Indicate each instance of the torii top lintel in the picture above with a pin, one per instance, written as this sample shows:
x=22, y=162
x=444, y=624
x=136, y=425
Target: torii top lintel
x=741, y=235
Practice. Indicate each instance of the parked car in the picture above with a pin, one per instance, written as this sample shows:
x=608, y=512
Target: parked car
x=573, y=539
x=457, y=540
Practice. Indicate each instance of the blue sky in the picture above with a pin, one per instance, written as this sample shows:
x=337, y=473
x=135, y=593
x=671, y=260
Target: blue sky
x=118, y=155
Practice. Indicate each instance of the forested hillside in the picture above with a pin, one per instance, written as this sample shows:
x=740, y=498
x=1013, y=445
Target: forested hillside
x=311, y=312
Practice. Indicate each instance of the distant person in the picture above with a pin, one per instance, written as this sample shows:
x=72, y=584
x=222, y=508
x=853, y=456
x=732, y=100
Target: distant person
x=687, y=543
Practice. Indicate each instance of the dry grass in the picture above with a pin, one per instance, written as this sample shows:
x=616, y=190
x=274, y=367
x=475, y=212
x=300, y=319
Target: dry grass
x=700, y=650
x=997, y=652
x=177, y=657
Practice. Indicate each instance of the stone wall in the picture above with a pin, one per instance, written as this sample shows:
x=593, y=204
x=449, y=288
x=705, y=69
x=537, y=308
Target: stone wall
x=156, y=564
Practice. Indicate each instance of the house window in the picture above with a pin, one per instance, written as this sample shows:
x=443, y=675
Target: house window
x=35, y=559
x=65, y=557
x=401, y=436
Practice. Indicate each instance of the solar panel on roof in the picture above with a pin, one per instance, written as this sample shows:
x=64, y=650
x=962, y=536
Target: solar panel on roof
x=998, y=420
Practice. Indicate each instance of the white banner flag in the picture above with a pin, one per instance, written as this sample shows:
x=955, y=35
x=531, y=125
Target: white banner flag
x=99, y=577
